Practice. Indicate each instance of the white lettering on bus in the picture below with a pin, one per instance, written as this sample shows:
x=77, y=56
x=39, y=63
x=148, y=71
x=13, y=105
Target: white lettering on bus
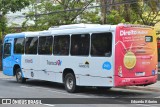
x=132, y=32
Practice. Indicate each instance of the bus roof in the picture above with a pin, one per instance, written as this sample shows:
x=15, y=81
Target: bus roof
x=81, y=28
x=28, y=34
x=74, y=29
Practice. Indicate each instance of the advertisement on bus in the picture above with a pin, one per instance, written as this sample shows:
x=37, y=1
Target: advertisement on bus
x=136, y=54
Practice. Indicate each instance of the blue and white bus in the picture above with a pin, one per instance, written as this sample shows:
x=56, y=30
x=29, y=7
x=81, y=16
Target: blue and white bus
x=83, y=55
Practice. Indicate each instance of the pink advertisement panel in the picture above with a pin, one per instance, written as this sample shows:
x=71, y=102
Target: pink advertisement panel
x=135, y=56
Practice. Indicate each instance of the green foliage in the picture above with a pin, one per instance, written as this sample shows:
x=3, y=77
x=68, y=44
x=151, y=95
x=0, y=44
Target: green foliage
x=64, y=12
x=90, y=17
x=3, y=24
x=12, y=5
x=146, y=12
x=114, y=17
x=47, y=13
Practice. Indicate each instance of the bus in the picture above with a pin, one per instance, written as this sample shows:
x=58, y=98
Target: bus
x=102, y=56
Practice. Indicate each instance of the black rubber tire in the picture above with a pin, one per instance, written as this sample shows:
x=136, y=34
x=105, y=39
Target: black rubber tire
x=70, y=83
x=19, y=77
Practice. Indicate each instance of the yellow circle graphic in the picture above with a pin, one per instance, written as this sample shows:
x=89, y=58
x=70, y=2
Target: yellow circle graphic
x=129, y=60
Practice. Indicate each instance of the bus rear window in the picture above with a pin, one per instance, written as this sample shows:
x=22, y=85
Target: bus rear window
x=148, y=38
x=101, y=44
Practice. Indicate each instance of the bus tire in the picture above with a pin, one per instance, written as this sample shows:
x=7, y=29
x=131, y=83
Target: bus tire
x=70, y=83
x=19, y=77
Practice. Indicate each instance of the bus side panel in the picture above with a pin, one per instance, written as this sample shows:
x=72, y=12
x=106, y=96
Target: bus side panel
x=135, y=56
x=39, y=67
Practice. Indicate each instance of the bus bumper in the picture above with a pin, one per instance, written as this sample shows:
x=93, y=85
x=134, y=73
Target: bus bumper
x=135, y=81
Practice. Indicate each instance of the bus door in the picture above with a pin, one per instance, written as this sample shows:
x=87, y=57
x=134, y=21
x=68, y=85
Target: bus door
x=7, y=66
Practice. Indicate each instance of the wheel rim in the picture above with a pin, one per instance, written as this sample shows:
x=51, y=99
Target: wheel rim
x=69, y=83
x=19, y=76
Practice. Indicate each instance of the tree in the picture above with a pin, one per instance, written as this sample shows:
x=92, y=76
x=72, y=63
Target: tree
x=147, y=11
x=10, y=5
x=104, y=10
x=59, y=12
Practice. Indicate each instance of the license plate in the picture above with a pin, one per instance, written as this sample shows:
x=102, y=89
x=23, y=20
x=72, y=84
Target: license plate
x=140, y=74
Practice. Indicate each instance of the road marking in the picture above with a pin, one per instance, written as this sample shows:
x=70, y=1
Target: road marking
x=51, y=105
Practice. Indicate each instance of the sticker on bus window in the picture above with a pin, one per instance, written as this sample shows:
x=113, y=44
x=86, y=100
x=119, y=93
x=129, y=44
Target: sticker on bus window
x=148, y=38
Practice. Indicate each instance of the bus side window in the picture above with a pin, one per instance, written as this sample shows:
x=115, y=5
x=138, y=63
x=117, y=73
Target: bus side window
x=31, y=45
x=101, y=44
x=80, y=44
x=19, y=45
x=61, y=45
x=45, y=45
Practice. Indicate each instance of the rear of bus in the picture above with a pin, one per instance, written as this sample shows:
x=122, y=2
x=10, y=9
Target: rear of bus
x=135, y=56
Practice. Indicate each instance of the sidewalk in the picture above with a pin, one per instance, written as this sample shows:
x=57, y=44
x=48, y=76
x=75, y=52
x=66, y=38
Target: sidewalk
x=4, y=76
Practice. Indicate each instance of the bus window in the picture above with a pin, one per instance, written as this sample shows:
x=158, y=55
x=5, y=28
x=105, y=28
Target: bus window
x=80, y=44
x=45, y=45
x=19, y=45
x=61, y=45
x=31, y=45
x=7, y=50
x=101, y=44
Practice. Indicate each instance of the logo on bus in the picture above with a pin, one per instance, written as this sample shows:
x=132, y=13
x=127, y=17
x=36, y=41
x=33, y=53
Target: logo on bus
x=132, y=32
x=17, y=60
x=28, y=61
x=106, y=65
x=84, y=65
x=58, y=62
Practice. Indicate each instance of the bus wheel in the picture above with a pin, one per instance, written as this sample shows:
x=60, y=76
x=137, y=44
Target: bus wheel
x=70, y=83
x=19, y=77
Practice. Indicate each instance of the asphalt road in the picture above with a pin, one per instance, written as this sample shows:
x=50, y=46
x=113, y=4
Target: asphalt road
x=9, y=88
